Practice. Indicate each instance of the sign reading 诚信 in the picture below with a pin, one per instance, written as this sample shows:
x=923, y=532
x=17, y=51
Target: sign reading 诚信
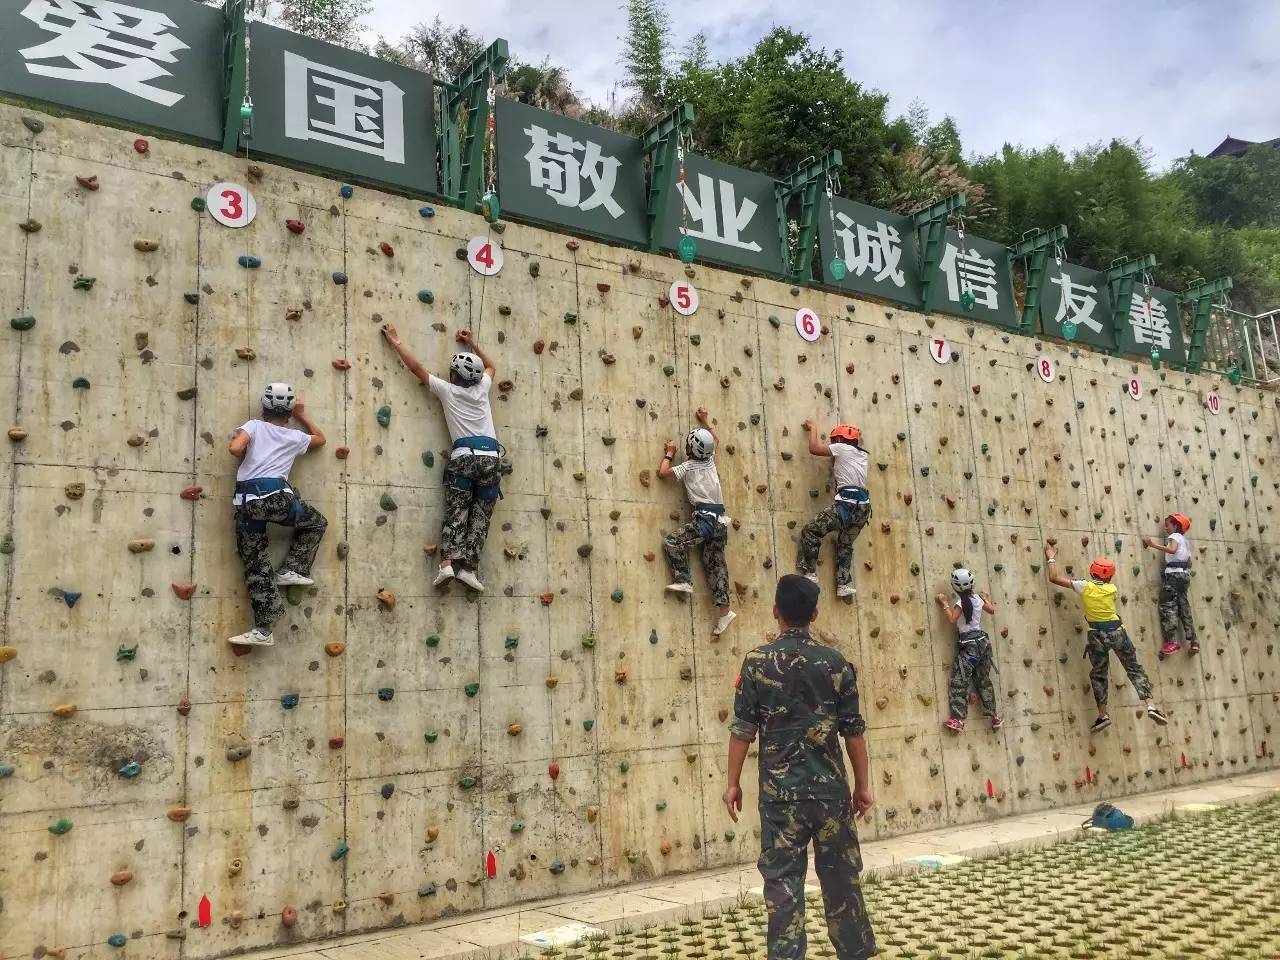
x=731, y=213
x=1153, y=323
x=325, y=106
x=1072, y=294
x=878, y=249
x=151, y=63
x=563, y=172
x=978, y=267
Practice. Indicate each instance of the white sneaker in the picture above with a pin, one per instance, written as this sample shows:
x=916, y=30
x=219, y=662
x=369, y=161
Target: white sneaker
x=446, y=573
x=811, y=577
x=846, y=590
x=723, y=623
x=291, y=578
x=471, y=580
x=253, y=638
x=679, y=587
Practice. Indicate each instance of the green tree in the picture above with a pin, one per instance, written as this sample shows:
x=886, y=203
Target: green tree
x=435, y=48
x=1237, y=191
x=333, y=21
x=545, y=86
x=644, y=50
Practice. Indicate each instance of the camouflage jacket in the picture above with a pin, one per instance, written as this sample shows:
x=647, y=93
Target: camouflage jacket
x=801, y=696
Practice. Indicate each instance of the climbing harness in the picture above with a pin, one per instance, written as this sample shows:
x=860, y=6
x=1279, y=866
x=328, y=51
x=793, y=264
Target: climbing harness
x=839, y=269
x=489, y=205
x=706, y=519
x=260, y=489
x=687, y=248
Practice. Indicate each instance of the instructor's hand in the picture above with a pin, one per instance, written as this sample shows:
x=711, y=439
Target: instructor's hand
x=733, y=802
x=862, y=802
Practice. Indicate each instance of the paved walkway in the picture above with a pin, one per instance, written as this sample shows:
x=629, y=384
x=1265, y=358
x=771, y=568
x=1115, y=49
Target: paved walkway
x=526, y=929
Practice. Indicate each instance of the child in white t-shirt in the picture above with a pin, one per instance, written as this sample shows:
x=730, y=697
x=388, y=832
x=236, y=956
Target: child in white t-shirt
x=709, y=526
x=1175, y=609
x=850, y=511
x=267, y=449
x=974, y=659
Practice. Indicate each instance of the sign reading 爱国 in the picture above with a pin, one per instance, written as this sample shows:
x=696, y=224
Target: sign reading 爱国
x=878, y=249
x=1153, y=323
x=1073, y=294
x=151, y=63
x=325, y=106
x=731, y=213
x=562, y=172
x=980, y=267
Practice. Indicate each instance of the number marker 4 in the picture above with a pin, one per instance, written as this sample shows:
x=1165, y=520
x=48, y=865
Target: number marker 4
x=484, y=255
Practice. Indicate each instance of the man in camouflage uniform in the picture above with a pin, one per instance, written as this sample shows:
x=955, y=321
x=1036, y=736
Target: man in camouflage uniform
x=801, y=696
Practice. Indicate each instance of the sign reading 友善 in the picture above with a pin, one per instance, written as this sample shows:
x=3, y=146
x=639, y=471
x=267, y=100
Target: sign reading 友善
x=153, y=63
x=1077, y=295
x=325, y=106
x=567, y=173
x=978, y=267
x=1153, y=323
x=732, y=214
x=878, y=249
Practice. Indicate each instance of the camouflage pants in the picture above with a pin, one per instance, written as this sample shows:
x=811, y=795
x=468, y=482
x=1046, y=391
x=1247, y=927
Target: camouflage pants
x=252, y=544
x=466, y=515
x=1174, y=607
x=1098, y=648
x=676, y=546
x=816, y=530
x=786, y=830
x=972, y=666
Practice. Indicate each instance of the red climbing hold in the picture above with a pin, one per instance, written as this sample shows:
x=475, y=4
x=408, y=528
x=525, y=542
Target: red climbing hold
x=204, y=915
x=294, y=226
x=491, y=865
x=387, y=249
x=571, y=246
x=192, y=492
x=553, y=770
x=183, y=590
x=335, y=743
x=341, y=363
x=141, y=146
x=991, y=790
x=539, y=346
x=121, y=877
x=602, y=287
x=664, y=301
x=89, y=183
x=288, y=916
x=546, y=599
x=341, y=453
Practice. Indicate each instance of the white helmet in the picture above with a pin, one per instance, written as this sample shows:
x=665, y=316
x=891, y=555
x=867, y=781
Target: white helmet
x=961, y=579
x=468, y=367
x=700, y=444
x=278, y=398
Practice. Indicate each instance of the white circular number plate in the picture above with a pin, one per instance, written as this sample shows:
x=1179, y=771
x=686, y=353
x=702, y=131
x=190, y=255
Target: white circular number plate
x=1214, y=403
x=231, y=204
x=940, y=350
x=684, y=298
x=484, y=255
x=1133, y=388
x=1044, y=367
x=808, y=325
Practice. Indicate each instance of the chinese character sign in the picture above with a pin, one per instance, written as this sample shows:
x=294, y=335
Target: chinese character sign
x=878, y=249
x=1077, y=295
x=570, y=174
x=329, y=107
x=732, y=214
x=155, y=63
x=979, y=269
x=1153, y=323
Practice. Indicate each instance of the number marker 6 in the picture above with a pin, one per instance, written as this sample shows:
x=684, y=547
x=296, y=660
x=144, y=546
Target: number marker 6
x=808, y=325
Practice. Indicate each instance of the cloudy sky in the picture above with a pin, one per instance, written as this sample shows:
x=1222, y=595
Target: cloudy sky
x=1180, y=74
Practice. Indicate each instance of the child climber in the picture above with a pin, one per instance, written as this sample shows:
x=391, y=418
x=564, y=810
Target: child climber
x=1173, y=605
x=850, y=511
x=267, y=449
x=709, y=525
x=973, y=661
x=472, y=480
x=1106, y=634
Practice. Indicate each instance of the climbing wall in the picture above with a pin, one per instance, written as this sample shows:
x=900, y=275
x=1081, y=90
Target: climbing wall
x=402, y=754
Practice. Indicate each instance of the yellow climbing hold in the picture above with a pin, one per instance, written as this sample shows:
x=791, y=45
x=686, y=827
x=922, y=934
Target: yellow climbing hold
x=146, y=246
x=334, y=648
x=141, y=546
x=64, y=710
x=8, y=653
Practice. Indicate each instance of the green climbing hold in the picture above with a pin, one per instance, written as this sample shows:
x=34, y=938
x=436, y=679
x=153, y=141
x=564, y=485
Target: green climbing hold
x=624, y=766
x=197, y=204
x=431, y=736
x=387, y=694
x=902, y=436
x=915, y=569
x=289, y=700
x=985, y=448
x=80, y=383
x=426, y=296
x=6, y=770
x=130, y=770
x=343, y=549
x=695, y=339
x=1075, y=484
x=1079, y=404
x=1253, y=481
x=653, y=636
x=1035, y=727
x=1035, y=568
x=384, y=415
x=428, y=459
x=968, y=475
x=774, y=321
x=616, y=596
x=608, y=440
x=517, y=826
x=669, y=370
x=126, y=653
x=340, y=851
x=294, y=595
x=466, y=783
x=924, y=471
x=535, y=268
x=1068, y=330
x=1136, y=569
x=1041, y=483
x=471, y=689
x=967, y=300
x=587, y=725
x=511, y=642
x=687, y=249
x=61, y=826
x=489, y=206
x=1097, y=514
x=837, y=269
x=1235, y=376
x=117, y=940
x=589, y=642
x=1155, y=359
x=660, y=805
x=1020, y=759
x=570, y=317
x=433, y=640
x=998, y=568
x=83, y=283
x=387, y=502
x=22, y=323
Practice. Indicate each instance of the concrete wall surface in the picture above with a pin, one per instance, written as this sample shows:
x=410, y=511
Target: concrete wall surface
x=392, y=752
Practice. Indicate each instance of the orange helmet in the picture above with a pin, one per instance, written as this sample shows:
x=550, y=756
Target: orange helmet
x=1102, y=569
x=1179, y=520
x=846, y=432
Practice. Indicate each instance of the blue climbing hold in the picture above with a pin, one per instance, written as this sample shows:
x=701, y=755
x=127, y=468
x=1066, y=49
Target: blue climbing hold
x=427, y=212
x=426, y=296
x=71, y=597
x=387, y=694
x=6, y=770
x=289, y=701
x=341, y=849
x=117, y=940
x=339, y=278
x=130, y=770
x=80, y=383
x=249, y=262
x=346, y=190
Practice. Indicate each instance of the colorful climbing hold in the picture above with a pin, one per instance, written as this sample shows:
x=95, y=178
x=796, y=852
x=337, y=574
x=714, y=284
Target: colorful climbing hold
x=340, y=851
x=248, y=261
x=384, y=415
x=60, y=826
x=426, y=296
x=346, y=190
x=471, y=689
x=387, y=598
x=7, y=653
x=339, y=277
x=294, y=226
x=289, y=700
x=387, y=502
x=22, y=323
x=386, y=694
x=71, y=597
x=130, y=770
x=119, y=939
x=126, y=653
x=616, y=596
x=183, y=590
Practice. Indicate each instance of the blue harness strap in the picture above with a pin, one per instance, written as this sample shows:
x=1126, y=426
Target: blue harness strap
x=706, y=518
x=261, y=486
x=260, y=489
x=854, y=494
x=484, y=444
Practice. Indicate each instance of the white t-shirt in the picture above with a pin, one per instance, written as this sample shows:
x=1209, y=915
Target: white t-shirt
x=467, y=411
x=974, y=622
x=850, y=465
x=271, y=452
x=1184, y=549
x=701, y=481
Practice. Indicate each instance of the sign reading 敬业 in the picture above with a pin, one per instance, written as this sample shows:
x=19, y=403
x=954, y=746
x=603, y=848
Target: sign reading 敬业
x=153, y=63
x=1153, y=324
x=570, y=174
x=1074, y=301
x=878, y=249
x=731, y=213
x=326, y=106
x=980, y=268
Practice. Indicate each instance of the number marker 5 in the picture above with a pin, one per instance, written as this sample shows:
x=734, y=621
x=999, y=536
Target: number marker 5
x=684, y=298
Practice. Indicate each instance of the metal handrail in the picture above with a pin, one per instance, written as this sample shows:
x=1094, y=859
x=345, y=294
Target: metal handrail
x=1249, y=345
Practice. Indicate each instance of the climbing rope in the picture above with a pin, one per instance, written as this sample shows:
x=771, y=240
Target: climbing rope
x=687, y=247
x=838, y=267
x=489, y=205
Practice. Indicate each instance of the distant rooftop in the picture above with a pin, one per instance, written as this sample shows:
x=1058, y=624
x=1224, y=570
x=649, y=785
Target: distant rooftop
x=1231, y=147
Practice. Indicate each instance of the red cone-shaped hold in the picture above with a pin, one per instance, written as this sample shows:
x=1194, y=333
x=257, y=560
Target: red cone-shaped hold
x=387, y=249
x=1184, y=760
x=491, y=865
x=341, y=363
x=192, y=492
x=295, y=226
x=1088, y=775
x=991, y=790
x=553, y=770
x=205, y=913
x=183, y=590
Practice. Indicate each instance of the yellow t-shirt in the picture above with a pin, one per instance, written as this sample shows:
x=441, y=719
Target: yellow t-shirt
x=1098, y=599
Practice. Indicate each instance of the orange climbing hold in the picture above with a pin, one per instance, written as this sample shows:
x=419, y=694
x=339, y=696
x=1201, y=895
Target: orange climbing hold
x=179, y=814
x=342, y=452
x=341, y=363
x=64, y=711
x=387, y=897
x=294, y=226
x=432, y=834
x=293, y=313
x=546, y=599
x=7, y=653
x=602, y=287
x=335, y=648
x=192, y=492
x=183, y=590
x=121, y=877
x=665, y=847
x=387, y=599
x=288, y=917
x=141, y=146
x=89, y=183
